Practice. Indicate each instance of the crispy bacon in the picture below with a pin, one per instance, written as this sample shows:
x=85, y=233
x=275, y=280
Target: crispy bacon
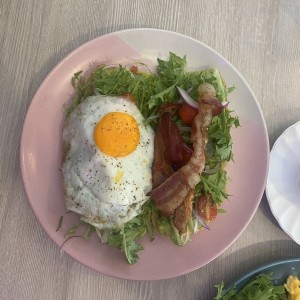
x=170, y=194
x=170, y=151
x=186, y=155
x=161, y=169
x=183, y=213
x=174, y=190
x=172, y=139
x=218, y=106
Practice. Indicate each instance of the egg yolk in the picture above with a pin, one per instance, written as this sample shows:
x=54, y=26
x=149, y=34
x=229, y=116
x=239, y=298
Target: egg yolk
x=117, y=134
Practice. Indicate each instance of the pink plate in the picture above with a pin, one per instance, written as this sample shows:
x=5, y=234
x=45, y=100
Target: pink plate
x=40, y=157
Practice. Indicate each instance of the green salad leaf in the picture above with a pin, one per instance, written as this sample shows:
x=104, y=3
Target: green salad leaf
x=221, y=293
x=260, y=287
x=214, y=185
x=125, y=238
x=164, y=226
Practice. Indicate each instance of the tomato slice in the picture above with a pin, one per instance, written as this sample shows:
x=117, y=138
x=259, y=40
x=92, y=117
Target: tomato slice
x=133, y=69
x=187, y=113
x=206, y=208
x=129, y=97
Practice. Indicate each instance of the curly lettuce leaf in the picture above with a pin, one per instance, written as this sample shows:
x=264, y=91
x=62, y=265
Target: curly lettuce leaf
x=126, y=237
x=260, y=287
x=221, y=293
x=164, y=226
x=214, y=185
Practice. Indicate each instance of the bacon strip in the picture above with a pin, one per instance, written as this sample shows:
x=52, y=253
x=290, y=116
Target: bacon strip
x=183, y=213
x=161, y=169
x=172, y=138
x=174, y=190
x=171, y=193
x=218, y=106
x=170, y=151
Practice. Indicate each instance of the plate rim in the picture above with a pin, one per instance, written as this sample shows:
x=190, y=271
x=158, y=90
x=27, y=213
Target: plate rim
x=78, y=49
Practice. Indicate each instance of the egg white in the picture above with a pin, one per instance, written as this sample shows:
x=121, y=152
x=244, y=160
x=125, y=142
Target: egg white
x=106, y=191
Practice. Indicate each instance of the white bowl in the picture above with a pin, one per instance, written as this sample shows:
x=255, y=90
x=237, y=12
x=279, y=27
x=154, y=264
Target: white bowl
x=283, y=183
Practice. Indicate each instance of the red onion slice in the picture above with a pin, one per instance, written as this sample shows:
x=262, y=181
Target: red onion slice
x=187, y=98
x=200, y=220
x=218, y=106
x=111, y=66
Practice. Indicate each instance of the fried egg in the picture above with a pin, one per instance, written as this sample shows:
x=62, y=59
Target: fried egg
x=108, y=154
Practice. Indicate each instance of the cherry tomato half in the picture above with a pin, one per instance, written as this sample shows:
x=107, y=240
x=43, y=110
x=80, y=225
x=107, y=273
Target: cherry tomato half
x=133, y=69
x=206, y=208
x=187, y=113
x=129, y=97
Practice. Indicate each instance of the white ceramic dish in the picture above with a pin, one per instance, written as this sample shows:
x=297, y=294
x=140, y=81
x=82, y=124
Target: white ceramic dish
x=283, y=183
